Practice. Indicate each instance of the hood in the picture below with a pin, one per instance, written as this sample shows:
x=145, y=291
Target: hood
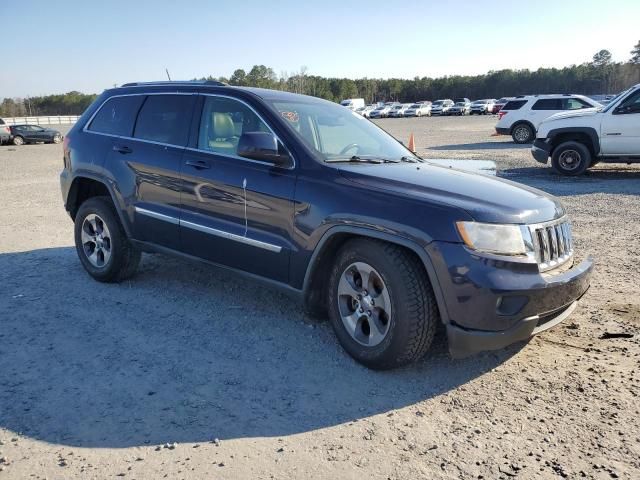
x=583, y=112
x=485, y=199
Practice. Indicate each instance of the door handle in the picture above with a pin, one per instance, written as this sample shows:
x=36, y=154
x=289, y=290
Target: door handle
x=122, y=149
x=198, y=164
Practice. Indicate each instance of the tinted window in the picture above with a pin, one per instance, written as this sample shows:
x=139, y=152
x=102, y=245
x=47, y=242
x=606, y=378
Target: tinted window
x=514, y=105
x=117, y=115
x=574, y=104
x=222, y=123
x=165, y=119
x=548, y=104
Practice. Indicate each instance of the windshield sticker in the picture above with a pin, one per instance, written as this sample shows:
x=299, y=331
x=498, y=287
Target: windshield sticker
x=291, y=116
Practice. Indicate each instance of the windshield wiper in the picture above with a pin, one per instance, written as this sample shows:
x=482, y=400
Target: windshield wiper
x=356, y=158
x=411, y=159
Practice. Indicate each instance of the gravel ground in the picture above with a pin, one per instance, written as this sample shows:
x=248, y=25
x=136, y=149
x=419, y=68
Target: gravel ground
x=187, y=372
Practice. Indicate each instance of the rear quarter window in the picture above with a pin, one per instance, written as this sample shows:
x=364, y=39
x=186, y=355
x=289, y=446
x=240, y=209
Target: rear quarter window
x=514, y=105
x=117, y=116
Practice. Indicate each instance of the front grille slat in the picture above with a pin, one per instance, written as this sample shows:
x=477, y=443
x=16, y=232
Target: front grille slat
x=552, y=243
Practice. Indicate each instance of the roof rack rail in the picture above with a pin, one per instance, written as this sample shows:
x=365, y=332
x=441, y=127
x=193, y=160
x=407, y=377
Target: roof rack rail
x=176, y=82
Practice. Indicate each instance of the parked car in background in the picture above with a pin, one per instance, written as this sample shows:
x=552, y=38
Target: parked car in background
x=580, y=139
x=139, y=176
x=498, y=104
x=482, y=107
x=398, y=110
x=460, y=108
x=521, y=116
x=21, y=134
x=418, y=110
x=5, y=132
x=366, y=110
x=440, y=107
x=380, y=112
x=461, y=100
x=353, y=103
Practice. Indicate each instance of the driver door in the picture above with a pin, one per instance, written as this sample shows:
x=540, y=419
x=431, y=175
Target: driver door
x=235, y=211
x=620, y=128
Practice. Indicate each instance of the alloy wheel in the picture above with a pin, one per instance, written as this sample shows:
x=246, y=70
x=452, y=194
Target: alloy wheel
x=96, y=240
x=521, y=133
x=364, y=304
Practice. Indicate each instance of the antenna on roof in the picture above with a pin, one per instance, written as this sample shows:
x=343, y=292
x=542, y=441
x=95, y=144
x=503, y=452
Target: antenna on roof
x=168, y=76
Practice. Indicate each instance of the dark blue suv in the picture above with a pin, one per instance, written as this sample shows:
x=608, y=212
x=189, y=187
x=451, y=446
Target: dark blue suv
x=312, y=197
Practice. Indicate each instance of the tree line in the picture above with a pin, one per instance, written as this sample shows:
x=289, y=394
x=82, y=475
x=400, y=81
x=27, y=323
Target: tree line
x=600, y=76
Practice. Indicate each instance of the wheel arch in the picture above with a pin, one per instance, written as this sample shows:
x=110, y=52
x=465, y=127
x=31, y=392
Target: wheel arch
x=320, y=263
x=587, y=135
x=86, y=186
x=522, y=122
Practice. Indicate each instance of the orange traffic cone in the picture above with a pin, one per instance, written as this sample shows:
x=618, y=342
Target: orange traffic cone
x=412, y=143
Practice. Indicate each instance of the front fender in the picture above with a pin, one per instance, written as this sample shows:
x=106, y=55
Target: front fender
x=416, y=246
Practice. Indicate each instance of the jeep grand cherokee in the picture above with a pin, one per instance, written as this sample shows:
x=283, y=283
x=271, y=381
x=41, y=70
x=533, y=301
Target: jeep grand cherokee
x=316, y=199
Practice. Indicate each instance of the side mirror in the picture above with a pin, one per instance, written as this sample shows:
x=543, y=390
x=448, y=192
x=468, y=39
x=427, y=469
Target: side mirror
x=262, y=146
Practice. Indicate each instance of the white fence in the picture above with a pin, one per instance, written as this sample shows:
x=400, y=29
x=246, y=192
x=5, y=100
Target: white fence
x=47, y=120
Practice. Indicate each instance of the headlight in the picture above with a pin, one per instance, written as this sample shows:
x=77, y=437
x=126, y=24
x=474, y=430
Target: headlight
x=494, y=238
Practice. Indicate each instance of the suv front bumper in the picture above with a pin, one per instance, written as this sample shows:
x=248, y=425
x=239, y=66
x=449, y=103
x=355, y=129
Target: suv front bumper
x=491, y=304
x=541, y=150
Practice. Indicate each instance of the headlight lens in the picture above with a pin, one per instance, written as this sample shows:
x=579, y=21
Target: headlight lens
x=494, y=238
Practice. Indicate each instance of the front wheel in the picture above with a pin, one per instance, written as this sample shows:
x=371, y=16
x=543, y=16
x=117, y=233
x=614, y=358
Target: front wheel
x=101, y=242
x=381, y=304
x=571, y=158
x=522, y=133
x=57, y=138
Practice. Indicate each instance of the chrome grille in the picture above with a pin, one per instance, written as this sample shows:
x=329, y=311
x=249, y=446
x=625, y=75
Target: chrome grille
x=552, y=243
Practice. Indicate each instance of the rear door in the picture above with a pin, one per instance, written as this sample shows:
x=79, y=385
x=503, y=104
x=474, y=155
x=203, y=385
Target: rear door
x=235, y=211
x=544, y=108
x=152, y=159
x=620, y=129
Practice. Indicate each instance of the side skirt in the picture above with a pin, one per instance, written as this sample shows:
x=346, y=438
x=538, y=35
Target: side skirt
x=283, y=287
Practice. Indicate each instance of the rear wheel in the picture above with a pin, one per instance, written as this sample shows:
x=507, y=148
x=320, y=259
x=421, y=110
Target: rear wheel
x=571, y=158
x=18, y=140
x=101, y=242
x=522, y=133
x=57, y=138
x=381, y=304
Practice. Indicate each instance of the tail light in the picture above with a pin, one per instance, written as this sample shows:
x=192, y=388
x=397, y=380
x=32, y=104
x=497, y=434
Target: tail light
x=501, y=114
x=66, y=152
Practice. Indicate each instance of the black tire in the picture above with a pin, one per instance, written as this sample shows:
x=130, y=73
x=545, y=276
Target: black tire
x=522, y=133
x=414, y=312
x=571, y=158
x=124, y=257
x=57, y=138
x=18, y=140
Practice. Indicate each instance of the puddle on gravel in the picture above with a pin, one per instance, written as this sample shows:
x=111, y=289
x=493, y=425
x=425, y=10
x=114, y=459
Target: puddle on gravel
x=486, y=167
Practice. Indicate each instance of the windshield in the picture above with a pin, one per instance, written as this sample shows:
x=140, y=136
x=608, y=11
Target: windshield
x=437, y=103
x=609, y=105
x=479, y=102
x=415, y=105
x=335, y=133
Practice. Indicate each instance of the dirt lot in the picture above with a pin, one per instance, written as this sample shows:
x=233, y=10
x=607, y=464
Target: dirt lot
x=186, y=372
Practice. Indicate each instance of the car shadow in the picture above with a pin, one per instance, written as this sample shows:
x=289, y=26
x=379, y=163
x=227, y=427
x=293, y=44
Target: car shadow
x=609, y=179
x=183, y=352
x=500, y=145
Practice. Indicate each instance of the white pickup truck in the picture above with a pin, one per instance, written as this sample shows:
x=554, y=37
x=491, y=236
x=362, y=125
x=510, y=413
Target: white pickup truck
x=580, y=139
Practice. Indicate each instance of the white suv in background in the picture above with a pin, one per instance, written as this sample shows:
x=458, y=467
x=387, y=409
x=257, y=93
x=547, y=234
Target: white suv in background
x=521, y=116
x=576, y=141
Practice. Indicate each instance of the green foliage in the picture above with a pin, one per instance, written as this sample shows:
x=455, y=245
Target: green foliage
x=635, y=54
x=72, y=103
